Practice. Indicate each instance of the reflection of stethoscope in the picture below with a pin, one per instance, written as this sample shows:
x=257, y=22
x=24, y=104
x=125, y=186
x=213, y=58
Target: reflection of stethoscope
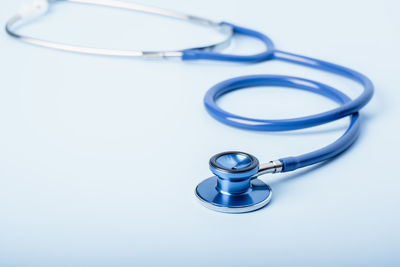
x=235, y=187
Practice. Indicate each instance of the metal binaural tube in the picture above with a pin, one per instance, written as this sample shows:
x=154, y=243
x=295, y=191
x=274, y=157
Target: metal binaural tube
x=40, y=7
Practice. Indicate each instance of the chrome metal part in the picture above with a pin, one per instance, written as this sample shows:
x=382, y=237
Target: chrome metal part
x=34, y=11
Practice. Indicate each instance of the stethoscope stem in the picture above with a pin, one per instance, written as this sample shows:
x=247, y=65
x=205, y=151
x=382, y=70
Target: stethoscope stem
x=274, y=166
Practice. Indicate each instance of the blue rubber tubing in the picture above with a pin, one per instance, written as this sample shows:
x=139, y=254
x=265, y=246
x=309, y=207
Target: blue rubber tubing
x=348, y=106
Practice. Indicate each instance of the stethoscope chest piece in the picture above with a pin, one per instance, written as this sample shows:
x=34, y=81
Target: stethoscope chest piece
x=233, y=189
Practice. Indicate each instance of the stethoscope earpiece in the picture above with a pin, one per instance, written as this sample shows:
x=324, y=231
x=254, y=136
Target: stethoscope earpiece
x=234, y=188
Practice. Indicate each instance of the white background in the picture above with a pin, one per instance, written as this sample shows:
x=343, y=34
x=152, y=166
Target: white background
x=99, y=157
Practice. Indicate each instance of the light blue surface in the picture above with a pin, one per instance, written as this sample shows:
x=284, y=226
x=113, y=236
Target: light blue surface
x=80, y=134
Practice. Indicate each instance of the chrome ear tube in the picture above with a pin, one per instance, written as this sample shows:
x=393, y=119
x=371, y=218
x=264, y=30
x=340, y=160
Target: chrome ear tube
x=39, y=8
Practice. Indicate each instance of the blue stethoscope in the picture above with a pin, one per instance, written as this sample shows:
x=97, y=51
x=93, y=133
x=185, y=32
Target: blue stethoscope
x=235, y=188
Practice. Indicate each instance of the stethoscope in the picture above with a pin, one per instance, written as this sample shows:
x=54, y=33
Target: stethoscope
x=235, y=188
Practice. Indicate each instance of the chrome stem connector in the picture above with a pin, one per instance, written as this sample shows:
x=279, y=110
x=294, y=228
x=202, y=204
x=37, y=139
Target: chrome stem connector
x=273, y=166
